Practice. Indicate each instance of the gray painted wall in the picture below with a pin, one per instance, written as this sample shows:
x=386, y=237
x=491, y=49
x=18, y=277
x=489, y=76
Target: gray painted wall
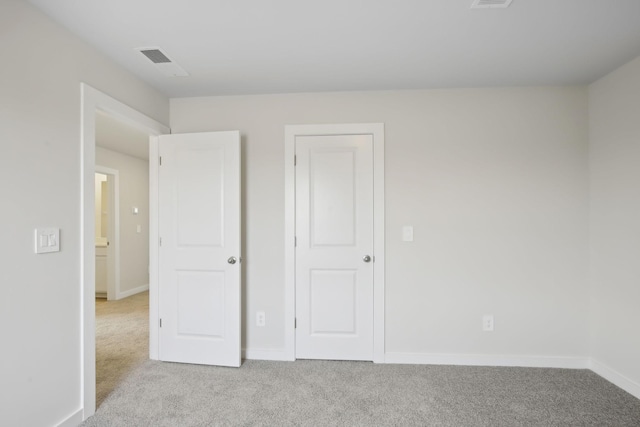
x=495, y=183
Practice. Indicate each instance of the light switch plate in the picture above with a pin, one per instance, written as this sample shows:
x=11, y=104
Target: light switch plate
x=47, y=240
x=407, y=233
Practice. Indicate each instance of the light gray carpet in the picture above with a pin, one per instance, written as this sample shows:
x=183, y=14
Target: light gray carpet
x=324, y=393
x=134, y=391
x=122, y=340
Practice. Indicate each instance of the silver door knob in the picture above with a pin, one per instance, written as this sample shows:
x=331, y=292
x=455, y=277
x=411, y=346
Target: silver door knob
x=366, y=258
x=231, y=260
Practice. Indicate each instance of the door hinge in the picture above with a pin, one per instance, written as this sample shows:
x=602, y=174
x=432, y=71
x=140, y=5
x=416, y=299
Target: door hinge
x=160, y=160
x=160, y=241
x=295, y=323
x=295, y=160
x=161, y=323
x=295, y=241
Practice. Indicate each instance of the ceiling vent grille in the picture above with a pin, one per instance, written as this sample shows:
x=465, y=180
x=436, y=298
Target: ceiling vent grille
x=155, y=55
x=490, y=4
x=162, y=62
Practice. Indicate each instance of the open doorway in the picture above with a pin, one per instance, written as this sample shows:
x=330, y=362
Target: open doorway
x=94, y=102
x=122, y=251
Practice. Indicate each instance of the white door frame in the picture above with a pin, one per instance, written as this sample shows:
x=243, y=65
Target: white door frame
x=113, y=247
x=92, y=101
x=377, y=131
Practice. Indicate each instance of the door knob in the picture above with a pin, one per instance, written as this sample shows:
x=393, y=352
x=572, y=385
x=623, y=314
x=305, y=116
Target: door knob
x=231, y=260
x=366, y=258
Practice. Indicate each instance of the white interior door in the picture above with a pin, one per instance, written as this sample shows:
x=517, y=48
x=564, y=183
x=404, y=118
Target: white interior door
x=334, y=247
x=199, y=222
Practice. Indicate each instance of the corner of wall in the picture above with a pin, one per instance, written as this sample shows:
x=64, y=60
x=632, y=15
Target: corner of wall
x=615, y=377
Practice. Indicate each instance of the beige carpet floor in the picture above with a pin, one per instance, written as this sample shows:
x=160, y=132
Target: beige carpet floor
x=122, y=340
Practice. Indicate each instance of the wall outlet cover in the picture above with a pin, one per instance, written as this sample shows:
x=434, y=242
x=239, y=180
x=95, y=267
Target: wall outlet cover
x=260, y=318
x=487, y=323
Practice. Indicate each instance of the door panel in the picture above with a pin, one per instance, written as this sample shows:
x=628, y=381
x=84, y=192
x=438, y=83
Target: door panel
x=199, y=197
x=200, y=299
x=333, y=302
x=200, y=187
x=331, y=196
x=334, y=231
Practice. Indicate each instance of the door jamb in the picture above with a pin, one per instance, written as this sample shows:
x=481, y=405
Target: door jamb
x=377, y=131
x=92, y=100
x=113, y=276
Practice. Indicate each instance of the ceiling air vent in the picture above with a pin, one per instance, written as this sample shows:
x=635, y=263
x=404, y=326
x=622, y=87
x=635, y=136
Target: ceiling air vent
x=162, y=62
x=490, y=4
x=155, y=55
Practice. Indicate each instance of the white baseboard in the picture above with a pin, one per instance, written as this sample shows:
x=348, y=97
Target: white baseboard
x=615, y=377
x=566, y=362
x=133, y=291
x=73, y=420
x=264, y=354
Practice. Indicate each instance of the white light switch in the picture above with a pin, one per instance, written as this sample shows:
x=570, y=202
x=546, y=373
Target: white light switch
x=139, y=228
x=47, y=240
x=407, y=233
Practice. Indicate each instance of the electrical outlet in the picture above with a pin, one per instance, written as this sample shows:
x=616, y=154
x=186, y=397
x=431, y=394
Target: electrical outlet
x=260, y=318
x=487, y=323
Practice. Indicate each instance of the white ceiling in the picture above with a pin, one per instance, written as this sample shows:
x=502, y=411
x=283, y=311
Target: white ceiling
x=280, y=46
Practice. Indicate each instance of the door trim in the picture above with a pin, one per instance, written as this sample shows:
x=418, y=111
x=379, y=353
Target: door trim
x=113, y=265
x=377, y=131
x=92, y=100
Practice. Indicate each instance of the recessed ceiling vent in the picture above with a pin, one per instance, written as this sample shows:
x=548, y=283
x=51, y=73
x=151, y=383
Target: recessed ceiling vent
x=162, y=62
x=490, y=4
x=155, y=55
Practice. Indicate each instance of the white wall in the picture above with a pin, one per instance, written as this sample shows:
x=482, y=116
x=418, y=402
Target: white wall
x=494, y=182
x=40, y=306
x=614, y=118
x=134, y=192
